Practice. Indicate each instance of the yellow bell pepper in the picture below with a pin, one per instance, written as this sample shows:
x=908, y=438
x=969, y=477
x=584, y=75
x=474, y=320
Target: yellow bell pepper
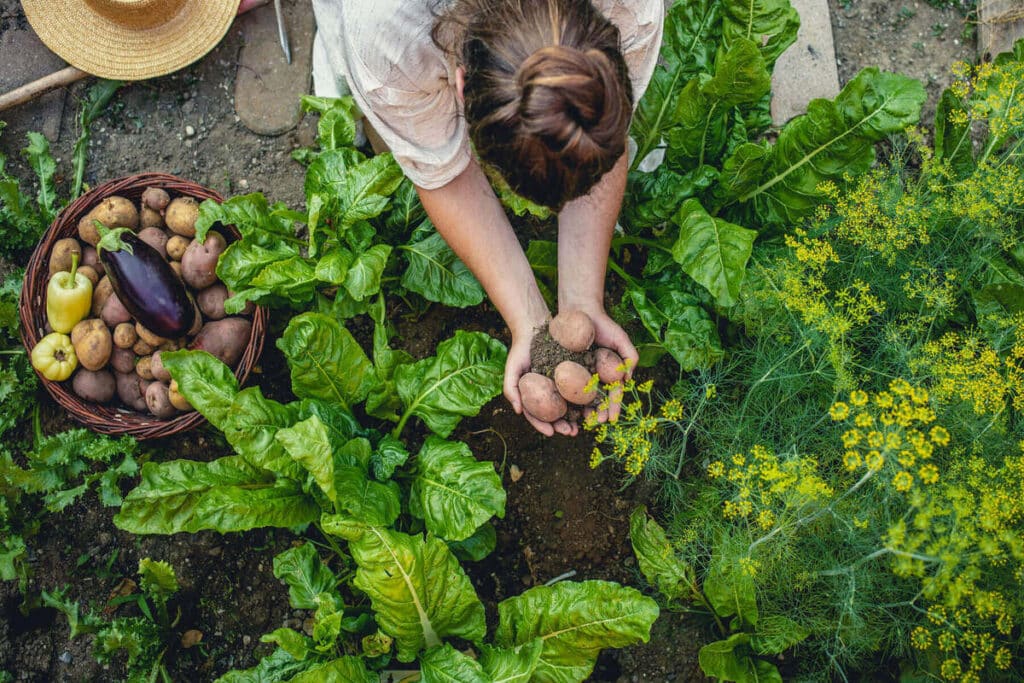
x=54, y=357
x=68, y=298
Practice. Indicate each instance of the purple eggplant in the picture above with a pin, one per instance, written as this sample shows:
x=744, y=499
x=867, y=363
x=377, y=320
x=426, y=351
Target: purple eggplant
x=145, y=283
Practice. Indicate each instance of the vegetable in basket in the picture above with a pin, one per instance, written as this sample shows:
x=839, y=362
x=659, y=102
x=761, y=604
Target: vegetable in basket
x=145, y=283
x=54, y=357
x=68, y=298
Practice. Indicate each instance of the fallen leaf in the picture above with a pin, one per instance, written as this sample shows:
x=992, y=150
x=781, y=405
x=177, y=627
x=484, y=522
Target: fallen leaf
x=191, y=638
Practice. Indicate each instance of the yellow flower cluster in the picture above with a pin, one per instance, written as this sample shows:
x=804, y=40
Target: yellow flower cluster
x=877, y=215
x=963, y=367
x=769, y=489
x=629, y=437
x=958, y=539
x=991, y=197
x=994, y=95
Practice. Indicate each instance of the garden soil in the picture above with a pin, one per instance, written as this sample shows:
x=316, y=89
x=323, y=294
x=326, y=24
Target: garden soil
x=562, y=517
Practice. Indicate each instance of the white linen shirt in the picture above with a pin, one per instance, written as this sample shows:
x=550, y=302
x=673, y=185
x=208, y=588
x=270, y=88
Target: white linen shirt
x=405, y=85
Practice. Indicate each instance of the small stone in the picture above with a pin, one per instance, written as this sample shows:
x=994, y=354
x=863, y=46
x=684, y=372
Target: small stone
x=189, y=131
x=515, y=473
x=243, y=183
x=191, y=638
x=215, y=551
x=246, y=640
x=65, y=657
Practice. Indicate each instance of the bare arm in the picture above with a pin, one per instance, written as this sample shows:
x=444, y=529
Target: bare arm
x=585, y=228
x=472, y=221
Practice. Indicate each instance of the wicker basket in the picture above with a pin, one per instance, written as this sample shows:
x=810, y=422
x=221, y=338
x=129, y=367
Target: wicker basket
x=111, y=419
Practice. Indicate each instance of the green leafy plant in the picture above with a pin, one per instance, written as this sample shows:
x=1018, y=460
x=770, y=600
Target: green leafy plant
x=723, y=183
x=144, y=639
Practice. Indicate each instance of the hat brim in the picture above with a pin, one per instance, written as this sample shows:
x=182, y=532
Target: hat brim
x=98, y=46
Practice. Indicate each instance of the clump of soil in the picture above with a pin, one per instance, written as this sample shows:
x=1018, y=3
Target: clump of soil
x=546, y=354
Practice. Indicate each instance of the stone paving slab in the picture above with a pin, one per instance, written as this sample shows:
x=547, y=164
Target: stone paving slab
x=1000, y=24
x=267, y=88
x=808, y=68
x=25, y=59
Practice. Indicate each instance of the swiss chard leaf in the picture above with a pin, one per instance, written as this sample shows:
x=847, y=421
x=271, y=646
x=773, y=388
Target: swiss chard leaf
x=772, y=24
x=712, y=251
x=419, y=592
x=257, y=221
x=437, y=274
x=445, y=664
x=453, y=492
x=308, y=443
x=678, y=325
x=346, y=669
x=205, y=382
x=465, y=374
x=364, y=500
x=513, y=664
x=656, y=558
x=326, y=361
x=305, y=575
x=720, y=659
x=575, y=621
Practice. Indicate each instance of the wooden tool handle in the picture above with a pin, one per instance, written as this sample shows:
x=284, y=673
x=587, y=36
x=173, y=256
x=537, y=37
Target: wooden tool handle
x=38, y=87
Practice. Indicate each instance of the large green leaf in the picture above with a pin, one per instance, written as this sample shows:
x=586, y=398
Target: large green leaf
x=225, y=495
x=655, y=197
x=731, y=592
x=656, y=557
x=721, y=660
x=700, y=119
x=208, y=385
x=575, y=621
x=259, y=223
x=305, y=575
x=445, y=664
x=678, y=325
x=326, y=361
x=712, y=251
x=772, y=24
x=418, y=590
x=465, y=374
x=512, y=664
x=454, y=493
x=833, y=138
x=308, y=444
x=275, y=667
x=364, y=500
x=251, y=428
x=363, y=276
x=953, y=143
x=341, y=670
x=437, y=274
x=383, y=401
x=358, y=188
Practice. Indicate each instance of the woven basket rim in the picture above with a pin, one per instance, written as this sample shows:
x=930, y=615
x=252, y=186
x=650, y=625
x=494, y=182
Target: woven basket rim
x=117, y=419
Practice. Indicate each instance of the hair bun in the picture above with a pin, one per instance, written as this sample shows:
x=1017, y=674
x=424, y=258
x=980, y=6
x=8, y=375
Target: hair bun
x=572, y=100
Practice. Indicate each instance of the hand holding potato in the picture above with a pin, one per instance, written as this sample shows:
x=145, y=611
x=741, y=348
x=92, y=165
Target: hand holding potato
x=517, y=365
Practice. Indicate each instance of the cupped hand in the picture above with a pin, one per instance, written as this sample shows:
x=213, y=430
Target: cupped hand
x=609, y=334
x=516, y=365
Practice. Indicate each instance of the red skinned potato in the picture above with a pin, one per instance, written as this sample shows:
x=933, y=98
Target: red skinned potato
x=211, y=301
x=609, y=365
x=199, y=262
x=155, y=198
x=156, y=366
x=122, y=360
x=572, y=379
x=224, y=339
x=114, y=313
x=92, y=259
x=573, y=330
x=158, y=402
x=541, y=398
x=95, y=387
x=131, y=390
x=156, y=238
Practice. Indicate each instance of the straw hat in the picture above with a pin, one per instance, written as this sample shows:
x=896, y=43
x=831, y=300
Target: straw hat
x=130, y=39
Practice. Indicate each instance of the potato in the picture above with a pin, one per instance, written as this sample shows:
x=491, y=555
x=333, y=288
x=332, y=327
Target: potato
x=211, y=301
x=149, y=337
x=125, y=335
x=130, y=389
x=572, y=379
x=176, y=247
x=541, y=398
x=177, y=400
x=100, y=293
x=225, y=339
x=181, y=215
x=90, y=273
x=158, y=402
x=173, y=344
x=144, y=367
x=122, y=360
x=141, y=348
x=95, y=387
x=176, y=267
x=112, y=212
x=156, y=238
x=155, y=199
x=92, y=259
x=197, y=321
x=156, y=366
x=114, y=313
x=609, y=365
x=60, y=257
x=93, y=348
x=84, y=327
x=199, y=263
x=148, y=218
x=573, y=330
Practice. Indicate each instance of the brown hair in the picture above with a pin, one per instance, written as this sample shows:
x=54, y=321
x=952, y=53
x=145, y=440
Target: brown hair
x=547, y=95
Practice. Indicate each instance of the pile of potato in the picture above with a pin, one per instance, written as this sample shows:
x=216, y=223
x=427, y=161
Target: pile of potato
x=548, y=397
x=118, y=358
